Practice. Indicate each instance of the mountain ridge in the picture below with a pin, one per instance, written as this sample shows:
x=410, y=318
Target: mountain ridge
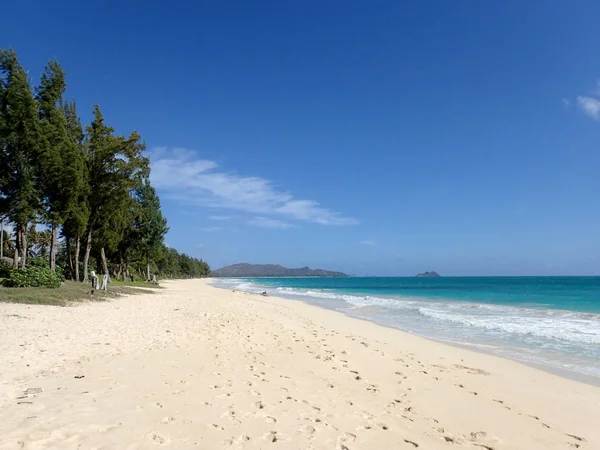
x=272, y=270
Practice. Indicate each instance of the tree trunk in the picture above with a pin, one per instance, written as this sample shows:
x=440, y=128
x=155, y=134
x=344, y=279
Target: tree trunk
x=104, y=264
x=53, y=247
x=69, y=257
x=148, y=265
x=121, y=266
x=86, y=256
x=77, y=250
x=23, y=228
x=17, y=246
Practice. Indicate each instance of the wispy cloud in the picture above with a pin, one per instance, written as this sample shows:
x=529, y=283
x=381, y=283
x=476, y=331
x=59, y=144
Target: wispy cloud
x=211, y=229
x=265, y=222
x=181, y=175
x=566, y=103
x=590, y=106
x=200, y=246
x=220, y=217
x=369, y=243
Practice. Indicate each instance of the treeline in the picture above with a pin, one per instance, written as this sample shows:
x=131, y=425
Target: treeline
x=87, y=185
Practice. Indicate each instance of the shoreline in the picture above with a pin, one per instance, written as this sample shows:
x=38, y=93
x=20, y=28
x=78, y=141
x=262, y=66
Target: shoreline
x=574, y=375
x=195, y=366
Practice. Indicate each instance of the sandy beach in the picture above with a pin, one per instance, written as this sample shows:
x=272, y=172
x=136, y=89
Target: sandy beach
x=193, y=366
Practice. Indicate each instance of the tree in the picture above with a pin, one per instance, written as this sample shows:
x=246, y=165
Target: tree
x=20, y=142
x=7, y=244
x=172, y=264
x=111, y=232
x=91, y=185
x=61, y=161
x=43, y=242
x=76, y=218
x=115, y=166
x=150, y=225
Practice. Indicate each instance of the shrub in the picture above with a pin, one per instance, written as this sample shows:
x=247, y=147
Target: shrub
x=5, y=269
x=44, y=263
x=33, y=276
x=38, y=262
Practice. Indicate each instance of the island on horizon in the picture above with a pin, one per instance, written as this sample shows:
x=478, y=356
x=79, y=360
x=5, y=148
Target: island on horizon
x=428, y=274
x=271, y=270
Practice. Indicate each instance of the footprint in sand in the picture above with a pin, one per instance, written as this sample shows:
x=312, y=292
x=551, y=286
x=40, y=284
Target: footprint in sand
x=270, y=437
x=579, y=440
x=241, y=439
x=307, y=429
x=342, y=440
x=158, y=439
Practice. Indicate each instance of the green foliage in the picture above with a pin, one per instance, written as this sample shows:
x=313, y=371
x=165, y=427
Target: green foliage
x=150, y=226
x=61, y=161
x=116, y=165
x=89, y=184
x=20, y=141
x=5, y=269
x=7, y=243
x=77, y=215
x=38, y=262
x=43, y=263
x=173, y=264
x=34, y=276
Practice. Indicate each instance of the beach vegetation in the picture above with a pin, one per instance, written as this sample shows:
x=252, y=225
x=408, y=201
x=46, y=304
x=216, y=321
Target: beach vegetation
x=79, y=197
x=68, y=293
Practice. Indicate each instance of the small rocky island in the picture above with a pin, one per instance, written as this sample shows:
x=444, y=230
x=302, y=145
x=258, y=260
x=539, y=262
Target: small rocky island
x=428, y=274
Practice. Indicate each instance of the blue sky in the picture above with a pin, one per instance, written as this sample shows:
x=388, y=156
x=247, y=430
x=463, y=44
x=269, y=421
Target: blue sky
x=372, y=137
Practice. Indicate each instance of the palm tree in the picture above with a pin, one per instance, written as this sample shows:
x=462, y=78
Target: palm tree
x=7, y=244
x=32, y=240
x=44, y=239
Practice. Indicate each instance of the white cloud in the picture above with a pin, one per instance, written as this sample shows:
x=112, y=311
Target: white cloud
x=369, y=242
x=180, y=175
x=200, y=246
x=265, y=222
x=220, y=217
x=211, y=229
x=590, y=106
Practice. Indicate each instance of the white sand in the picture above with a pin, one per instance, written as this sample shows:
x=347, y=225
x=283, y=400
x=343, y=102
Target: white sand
x=198, y=367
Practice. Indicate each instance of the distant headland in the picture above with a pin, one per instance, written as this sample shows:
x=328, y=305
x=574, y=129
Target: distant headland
x=271, y=270
x=428, y=274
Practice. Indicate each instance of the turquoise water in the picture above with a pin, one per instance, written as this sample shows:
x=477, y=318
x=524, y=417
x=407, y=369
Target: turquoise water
x=549, y=321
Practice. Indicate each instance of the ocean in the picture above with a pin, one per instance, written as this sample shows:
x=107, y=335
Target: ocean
x=549, y=322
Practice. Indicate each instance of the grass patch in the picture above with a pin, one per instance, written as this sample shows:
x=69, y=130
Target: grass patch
x=68, y=292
